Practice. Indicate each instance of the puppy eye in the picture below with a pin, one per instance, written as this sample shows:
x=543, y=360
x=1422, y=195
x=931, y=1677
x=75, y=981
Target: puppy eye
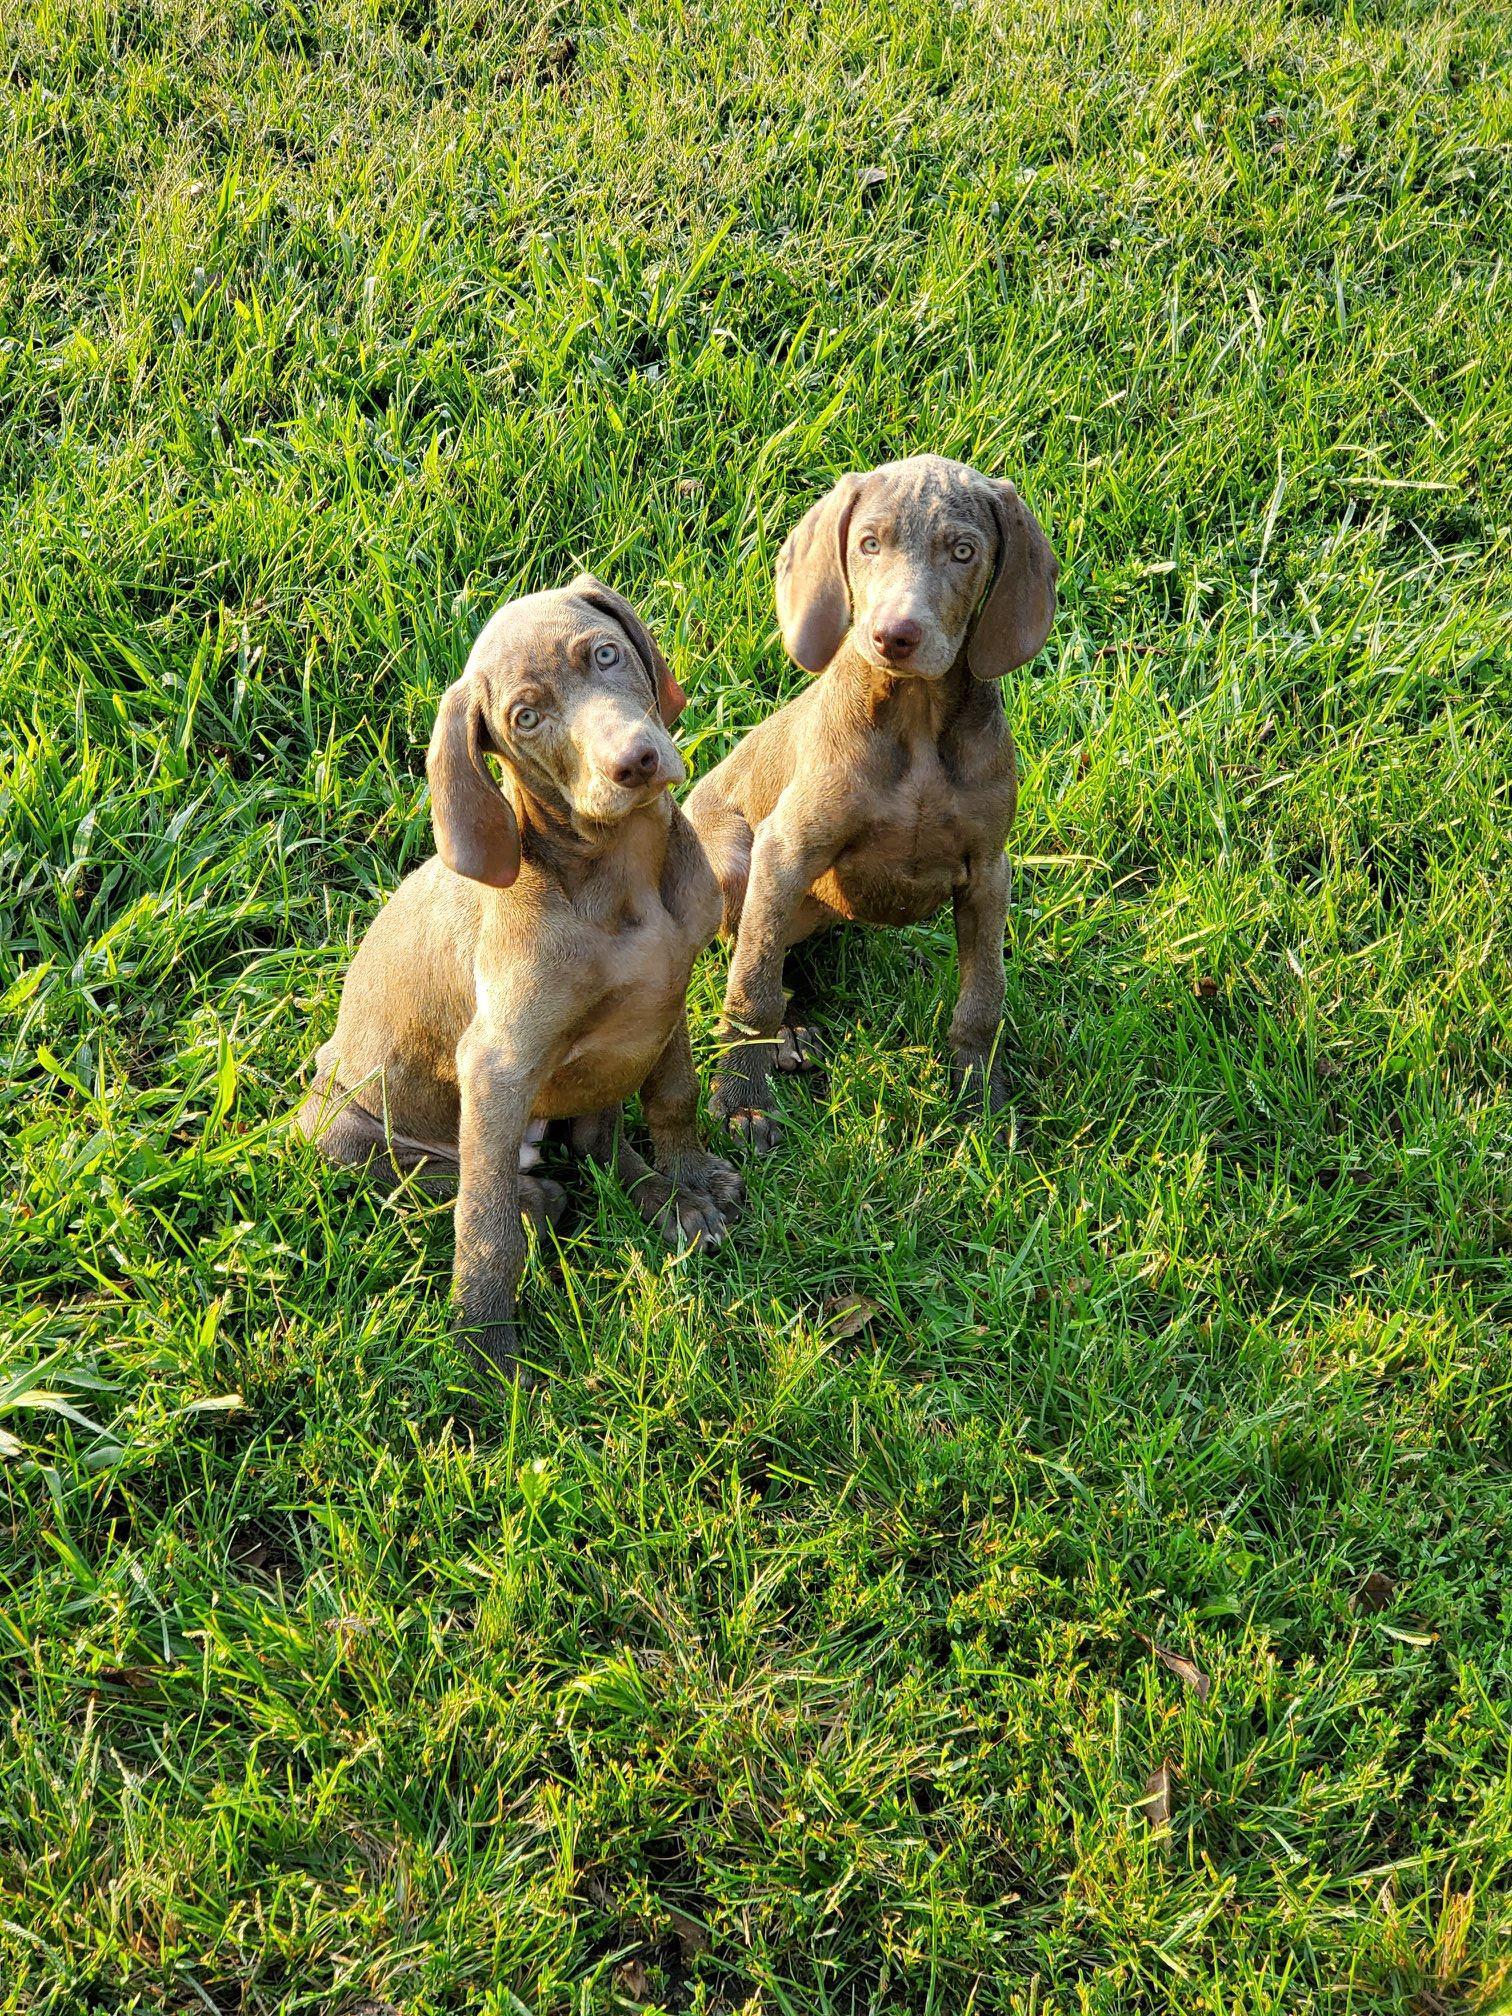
x=525, y=718
x=606, y=653
x=869, y=543
x=963, y=550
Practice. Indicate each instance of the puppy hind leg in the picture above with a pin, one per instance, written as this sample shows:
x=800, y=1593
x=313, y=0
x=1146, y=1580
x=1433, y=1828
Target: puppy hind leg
x=591, y=1137
x=352, y=1138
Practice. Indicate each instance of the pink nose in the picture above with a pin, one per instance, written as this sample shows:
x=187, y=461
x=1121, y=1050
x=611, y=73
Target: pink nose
x=896, y=637
x=635, y=765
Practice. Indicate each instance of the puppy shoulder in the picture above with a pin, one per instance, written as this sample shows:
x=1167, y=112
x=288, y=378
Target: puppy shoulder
x=535, y=968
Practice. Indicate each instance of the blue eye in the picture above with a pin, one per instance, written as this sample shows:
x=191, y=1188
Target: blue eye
x=606, y=654
x=963, y=550
x=526, y=718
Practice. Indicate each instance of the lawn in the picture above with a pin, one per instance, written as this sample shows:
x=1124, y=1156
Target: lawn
x=1074, y=1579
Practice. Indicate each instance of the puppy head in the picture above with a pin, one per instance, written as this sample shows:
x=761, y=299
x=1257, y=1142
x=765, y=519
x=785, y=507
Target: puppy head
x=918, y=560
x=569, y=689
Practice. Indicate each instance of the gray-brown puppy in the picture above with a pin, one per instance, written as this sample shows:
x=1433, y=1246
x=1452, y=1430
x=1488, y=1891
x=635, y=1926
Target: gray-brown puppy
x=535, y=968
x=886, y=788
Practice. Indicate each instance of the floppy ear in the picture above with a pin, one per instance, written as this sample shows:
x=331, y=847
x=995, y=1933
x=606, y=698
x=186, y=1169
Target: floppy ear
x=670, y=697
x=813, y=592
x=1015, y=619
x=475, y=828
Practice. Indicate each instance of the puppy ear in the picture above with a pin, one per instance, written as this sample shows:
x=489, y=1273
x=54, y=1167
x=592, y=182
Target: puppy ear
x=1015, y=619
x=670, y=697
x=813, y=591
x=475, y=828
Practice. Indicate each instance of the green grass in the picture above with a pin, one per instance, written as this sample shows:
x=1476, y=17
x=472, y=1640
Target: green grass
x=751, y=1659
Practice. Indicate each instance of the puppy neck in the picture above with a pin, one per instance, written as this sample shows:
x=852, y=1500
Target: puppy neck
x=902, y=703
x=569, y=850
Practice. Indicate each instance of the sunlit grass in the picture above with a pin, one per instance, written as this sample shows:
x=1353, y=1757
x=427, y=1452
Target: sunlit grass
x=755, y=1656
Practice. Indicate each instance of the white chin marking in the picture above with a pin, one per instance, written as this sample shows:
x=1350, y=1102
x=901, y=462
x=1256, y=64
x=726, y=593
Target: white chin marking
x=530, y=1147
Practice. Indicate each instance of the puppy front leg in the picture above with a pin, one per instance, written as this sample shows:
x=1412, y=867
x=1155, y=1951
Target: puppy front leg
x=496, y=1100
x=782, y=872
x=704, y=1185
x=981, y=917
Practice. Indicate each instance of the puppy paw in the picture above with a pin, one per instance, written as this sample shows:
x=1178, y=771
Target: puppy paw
x=682, y=1214
x=542, y=1201
x=711, y=1176
x=980, y=1082
x=725, y=1185
x=739, y=1096
x=758, y=1130
x=797, y=1048
x=985, y=1096
x=699, y=1221
x=494, y=1345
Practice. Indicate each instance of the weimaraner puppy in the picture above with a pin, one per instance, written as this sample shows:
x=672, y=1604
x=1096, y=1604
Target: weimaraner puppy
x=535, y=968
x=886, y=788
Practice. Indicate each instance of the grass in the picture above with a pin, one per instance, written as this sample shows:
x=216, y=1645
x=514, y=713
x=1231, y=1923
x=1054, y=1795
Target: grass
x=760, y=1656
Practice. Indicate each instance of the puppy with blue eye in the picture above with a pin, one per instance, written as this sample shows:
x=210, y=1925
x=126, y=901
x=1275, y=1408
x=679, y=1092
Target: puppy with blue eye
x=886, y=789
x=535, y=969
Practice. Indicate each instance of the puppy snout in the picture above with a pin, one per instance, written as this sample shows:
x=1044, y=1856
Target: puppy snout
x=896, y=637
x=639, y=765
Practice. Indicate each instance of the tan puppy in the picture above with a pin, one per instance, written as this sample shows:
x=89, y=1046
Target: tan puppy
x=887, y=788
x=535, y=968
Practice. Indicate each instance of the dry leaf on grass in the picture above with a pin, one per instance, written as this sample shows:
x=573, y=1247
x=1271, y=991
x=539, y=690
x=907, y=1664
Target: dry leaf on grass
x=1185, y=1669
x=849, y=1315
x=1374, y=1593
x=630, y=1979
x=1071, y=1286
x=691, y=1936
x=140, y=1679
x=1156, y=1803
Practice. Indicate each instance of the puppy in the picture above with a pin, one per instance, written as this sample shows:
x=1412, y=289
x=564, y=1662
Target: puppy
x=535, y=968
x=887, y=788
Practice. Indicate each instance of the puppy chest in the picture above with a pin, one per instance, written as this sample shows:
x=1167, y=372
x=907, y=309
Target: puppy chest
x=922, y=826
x=633, y=992
x=926, y=828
